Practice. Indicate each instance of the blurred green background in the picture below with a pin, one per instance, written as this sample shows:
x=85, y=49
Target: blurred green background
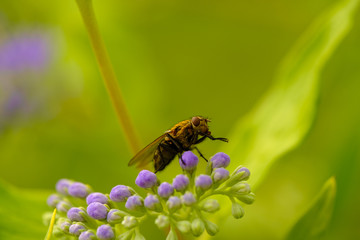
x=174, y=60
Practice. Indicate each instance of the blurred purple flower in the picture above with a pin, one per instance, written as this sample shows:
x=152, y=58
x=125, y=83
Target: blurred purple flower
x=25, y=51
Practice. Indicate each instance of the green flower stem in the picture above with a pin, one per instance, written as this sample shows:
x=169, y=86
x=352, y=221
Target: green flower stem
x=107, y=73
x=51, y=226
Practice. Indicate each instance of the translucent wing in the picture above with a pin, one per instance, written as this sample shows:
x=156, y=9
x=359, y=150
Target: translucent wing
x=146, y=155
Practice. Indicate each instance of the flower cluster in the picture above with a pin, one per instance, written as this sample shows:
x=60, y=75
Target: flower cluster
x=181, y=206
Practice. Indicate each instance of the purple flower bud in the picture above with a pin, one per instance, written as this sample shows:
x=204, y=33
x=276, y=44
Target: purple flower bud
x=74, y=214
x=79, y=190
x=180, y=182
x=97, y=210
x=65, y=225
x=87, y=235
x=203, y=182
x=220, y=174
x=188, y=199
x=190, y=160
x=134, y=203
x=120, y=193
x=77, y=228
x=53, y=200
x=220, y=160
x=165, y=190
x=115, y=216
x=63, y=206
x=105, y=232
x=146, y=179
x=173, y=203
x=63, y=185
x=96, y=197
x=152, y=202
x=246, y=173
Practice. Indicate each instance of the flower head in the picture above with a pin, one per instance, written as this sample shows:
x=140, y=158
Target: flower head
x=165, y=190
x=189, y=161
x=97, y=210
x=146, y=179
x=120, y=193
x=220, y=160
x=186, y=209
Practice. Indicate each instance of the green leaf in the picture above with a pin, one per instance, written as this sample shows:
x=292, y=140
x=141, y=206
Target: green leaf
x=314, y=222
x=21, y=213
x=282, y=118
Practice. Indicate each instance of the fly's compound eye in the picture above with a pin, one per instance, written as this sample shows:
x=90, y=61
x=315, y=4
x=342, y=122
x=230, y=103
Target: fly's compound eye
x=195, y=121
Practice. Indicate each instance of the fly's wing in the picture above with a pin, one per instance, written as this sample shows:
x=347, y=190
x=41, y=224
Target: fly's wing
x=146, y=155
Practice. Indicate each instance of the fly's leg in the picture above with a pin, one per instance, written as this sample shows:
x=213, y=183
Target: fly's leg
x=213, y=138
x=201, y=155
x=200, y=140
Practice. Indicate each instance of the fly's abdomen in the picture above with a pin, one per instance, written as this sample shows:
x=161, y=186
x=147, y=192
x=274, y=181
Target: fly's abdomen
x=165, y=153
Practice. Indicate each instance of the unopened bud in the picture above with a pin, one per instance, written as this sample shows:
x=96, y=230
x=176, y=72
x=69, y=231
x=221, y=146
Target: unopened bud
x=197, y=227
